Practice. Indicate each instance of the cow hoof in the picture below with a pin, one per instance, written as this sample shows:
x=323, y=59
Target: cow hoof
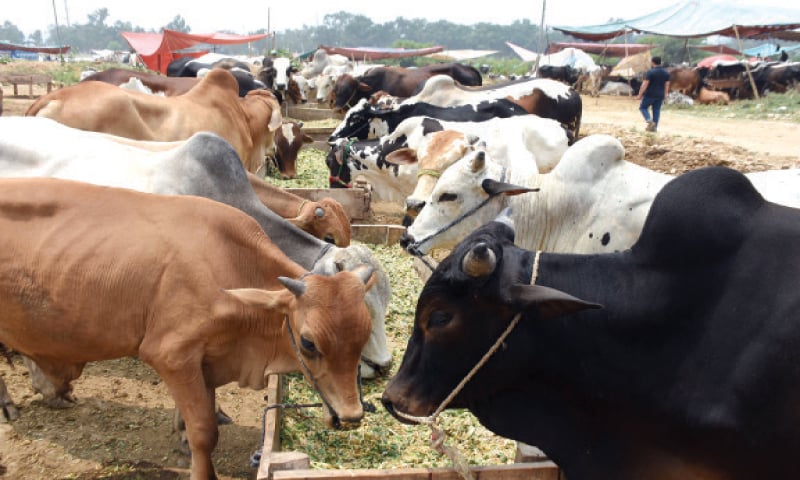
x=10, y=413
x=183, y=443
x=223, y=418
x=60, y=402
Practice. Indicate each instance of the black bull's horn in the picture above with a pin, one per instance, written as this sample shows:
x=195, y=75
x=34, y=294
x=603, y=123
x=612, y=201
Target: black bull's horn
x=479, y=261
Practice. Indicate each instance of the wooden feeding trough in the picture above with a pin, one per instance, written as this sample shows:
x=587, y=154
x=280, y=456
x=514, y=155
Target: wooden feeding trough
x=278, y=465
x=17, y=79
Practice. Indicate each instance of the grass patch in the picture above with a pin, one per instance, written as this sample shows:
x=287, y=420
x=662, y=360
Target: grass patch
x=783, y=107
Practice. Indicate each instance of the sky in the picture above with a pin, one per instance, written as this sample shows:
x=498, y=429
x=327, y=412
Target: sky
x=245, y=16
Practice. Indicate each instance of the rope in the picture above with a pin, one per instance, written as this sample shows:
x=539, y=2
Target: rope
x=428, y=171
x=413, y=248
x=432, y=420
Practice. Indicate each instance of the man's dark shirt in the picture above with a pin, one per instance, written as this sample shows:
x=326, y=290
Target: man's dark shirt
x=658, y=77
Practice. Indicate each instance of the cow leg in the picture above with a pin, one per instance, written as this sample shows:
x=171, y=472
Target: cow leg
x=54, y=394
x=182, y=373
x=179, y=427
x=7, y=407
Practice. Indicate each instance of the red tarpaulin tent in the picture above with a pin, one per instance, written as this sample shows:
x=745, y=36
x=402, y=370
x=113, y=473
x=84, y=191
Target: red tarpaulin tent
x=718, y=49
x=157, y=50
x=710, y=61
x=23, y=48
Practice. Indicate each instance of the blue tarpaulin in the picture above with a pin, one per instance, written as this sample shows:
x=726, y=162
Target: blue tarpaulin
x=695, y=18
x=769, y=50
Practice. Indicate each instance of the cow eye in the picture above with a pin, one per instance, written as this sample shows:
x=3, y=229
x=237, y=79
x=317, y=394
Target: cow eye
x=439, y=319
x=448, y=197
x=308, y=347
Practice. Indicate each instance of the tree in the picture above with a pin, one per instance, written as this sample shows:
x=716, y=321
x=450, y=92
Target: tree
x=36, y=38
x=98, y=17
x=10, y=33
x=178, y=24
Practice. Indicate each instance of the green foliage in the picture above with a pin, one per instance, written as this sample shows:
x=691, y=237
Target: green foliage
x=178, y=24
x=10, y=33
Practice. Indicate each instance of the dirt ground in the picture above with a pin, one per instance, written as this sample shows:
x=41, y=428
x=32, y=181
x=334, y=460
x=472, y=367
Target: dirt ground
x=121, y=426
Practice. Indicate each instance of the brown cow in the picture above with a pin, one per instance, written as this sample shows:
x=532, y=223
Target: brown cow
x=213, y=105
x=169, y=86
x=684, y=80
x=325, y=219
x=192, y=287
x=708, y=97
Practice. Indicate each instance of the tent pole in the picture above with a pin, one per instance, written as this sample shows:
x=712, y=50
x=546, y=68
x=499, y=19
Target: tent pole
x=541, y=40
x=686, y=50
x=746, y=63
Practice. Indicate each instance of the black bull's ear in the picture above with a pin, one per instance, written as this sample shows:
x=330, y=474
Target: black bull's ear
x=493, y=187
x=548, y=302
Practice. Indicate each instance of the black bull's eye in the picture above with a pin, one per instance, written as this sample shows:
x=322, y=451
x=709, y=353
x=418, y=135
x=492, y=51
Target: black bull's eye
x=439, y=319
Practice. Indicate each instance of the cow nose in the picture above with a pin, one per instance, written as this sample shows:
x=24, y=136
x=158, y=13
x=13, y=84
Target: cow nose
x=388, y=405
x=406, y=240
x=339, y=423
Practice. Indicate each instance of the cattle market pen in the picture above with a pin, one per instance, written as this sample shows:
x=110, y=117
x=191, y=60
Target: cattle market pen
x=276, y=464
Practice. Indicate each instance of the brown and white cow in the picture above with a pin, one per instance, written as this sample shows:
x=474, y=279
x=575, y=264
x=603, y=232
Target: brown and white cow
x=213, y=105
x=325, y=219
x=397, y=81
x=192, y=287
x=289, y=139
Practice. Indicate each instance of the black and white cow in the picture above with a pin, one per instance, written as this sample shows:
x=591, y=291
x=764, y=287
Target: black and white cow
x=364, y=121
x=689, y=370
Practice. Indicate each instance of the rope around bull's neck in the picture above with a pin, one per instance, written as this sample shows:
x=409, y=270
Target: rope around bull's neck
x=432, y=420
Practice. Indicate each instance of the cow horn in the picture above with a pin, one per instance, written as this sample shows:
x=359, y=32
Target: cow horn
x=479, y=261
x=478, y=161
x=297, y=287
x=319, y=212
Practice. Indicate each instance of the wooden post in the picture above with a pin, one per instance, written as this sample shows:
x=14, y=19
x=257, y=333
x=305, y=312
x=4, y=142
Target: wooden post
x=746, y=63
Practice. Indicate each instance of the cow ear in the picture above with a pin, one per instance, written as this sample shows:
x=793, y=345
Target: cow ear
x=275, y=120
x=307, y=138
x=548, y=302
x=266, y=299
x=403, y=156
x=367, y=275
x=493, y=187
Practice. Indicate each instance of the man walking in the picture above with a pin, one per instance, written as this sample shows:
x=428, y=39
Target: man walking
x=652, y=93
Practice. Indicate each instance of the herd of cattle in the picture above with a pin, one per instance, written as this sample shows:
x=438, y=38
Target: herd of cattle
x=656, y=333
